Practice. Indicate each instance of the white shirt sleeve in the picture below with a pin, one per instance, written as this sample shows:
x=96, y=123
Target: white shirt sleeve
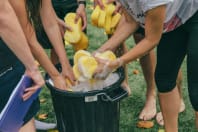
x=150, y=4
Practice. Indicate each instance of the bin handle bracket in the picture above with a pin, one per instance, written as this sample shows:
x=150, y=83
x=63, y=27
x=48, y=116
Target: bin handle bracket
x=106, y=97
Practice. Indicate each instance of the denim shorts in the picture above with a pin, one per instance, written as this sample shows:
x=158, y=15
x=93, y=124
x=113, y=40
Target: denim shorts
x=9, y=78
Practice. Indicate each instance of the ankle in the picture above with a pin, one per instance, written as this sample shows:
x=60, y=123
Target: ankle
x=150, y=93
x=182, y=106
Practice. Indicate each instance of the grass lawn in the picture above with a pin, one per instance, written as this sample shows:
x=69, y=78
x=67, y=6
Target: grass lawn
x=130, y=106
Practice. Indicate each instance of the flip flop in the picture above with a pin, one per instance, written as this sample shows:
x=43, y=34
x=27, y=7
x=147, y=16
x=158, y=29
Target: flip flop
x=145, y=124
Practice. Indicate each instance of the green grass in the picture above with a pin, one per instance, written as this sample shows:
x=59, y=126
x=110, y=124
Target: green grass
x=130, y=106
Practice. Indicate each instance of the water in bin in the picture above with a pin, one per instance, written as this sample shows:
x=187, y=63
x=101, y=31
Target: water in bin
x=95, y=84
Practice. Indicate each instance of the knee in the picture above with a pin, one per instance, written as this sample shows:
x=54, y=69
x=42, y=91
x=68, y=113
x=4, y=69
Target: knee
x=164, y=85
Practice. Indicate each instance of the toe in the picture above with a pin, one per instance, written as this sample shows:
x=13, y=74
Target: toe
x=159, y=119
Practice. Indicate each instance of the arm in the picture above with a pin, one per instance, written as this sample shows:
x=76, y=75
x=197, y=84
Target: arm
x=153, y=30
x=52, y=30
x=10, y=28
x=36, y=48
x=126, y=27
x=81, y=13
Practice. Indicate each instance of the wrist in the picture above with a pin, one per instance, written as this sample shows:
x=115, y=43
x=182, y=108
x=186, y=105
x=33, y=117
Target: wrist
x=32, y=68
x=120, y=62
x=66, y=66
x=55, y=76
x=31, y=71
x=64, y=62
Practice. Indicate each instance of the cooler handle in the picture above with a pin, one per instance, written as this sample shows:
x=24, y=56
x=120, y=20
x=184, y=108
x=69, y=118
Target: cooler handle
x=106, y=97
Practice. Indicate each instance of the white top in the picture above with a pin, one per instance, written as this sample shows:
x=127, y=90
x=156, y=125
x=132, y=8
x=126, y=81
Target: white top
x=177, y=11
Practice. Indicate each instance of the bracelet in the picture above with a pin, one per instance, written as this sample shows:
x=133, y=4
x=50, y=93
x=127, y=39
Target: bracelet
x=82, y=2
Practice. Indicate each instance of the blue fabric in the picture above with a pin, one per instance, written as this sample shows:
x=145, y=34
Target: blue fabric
x=8, y=80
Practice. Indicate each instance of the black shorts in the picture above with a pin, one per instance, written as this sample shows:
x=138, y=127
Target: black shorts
x=61, y=7
x=9, y=78
x=141, y=31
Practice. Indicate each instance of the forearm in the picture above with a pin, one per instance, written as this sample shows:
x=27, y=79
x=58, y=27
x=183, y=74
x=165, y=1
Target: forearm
x=53, y=32
x=55, y=38
x=10, y=28
x=30, y=35
x=154, y=22
x=141, y=49
x=123, y=31
x=42, y=58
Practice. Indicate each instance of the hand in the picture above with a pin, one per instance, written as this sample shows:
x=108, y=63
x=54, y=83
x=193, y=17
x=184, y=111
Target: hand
x=60, y=82
x=63, y=27
x=96, y=52
x=80, y=13
x=118, y=8
x=38, y=80
x=67, y=72
x=106, y=67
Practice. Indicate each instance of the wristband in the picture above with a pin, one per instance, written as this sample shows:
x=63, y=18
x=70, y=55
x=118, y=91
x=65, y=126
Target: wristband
x=82, y=2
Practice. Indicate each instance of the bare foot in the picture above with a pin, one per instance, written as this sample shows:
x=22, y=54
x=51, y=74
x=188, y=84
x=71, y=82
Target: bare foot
x=149, y=110
x=159, y=117
x=182, y=106
x=126, y=87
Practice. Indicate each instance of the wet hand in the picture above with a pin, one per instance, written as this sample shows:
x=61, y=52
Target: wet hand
x=60, y=82
x=118, y=8
x=67, y=73
x=106, y=67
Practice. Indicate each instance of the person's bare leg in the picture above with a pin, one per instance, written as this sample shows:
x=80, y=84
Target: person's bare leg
x=179, y=85
x=119, y=52
x=126, y=82
x=148, y=66
x=159, y=117
x=148, y=63
x=28, y=127
x=169, y=104
x=196, y=118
